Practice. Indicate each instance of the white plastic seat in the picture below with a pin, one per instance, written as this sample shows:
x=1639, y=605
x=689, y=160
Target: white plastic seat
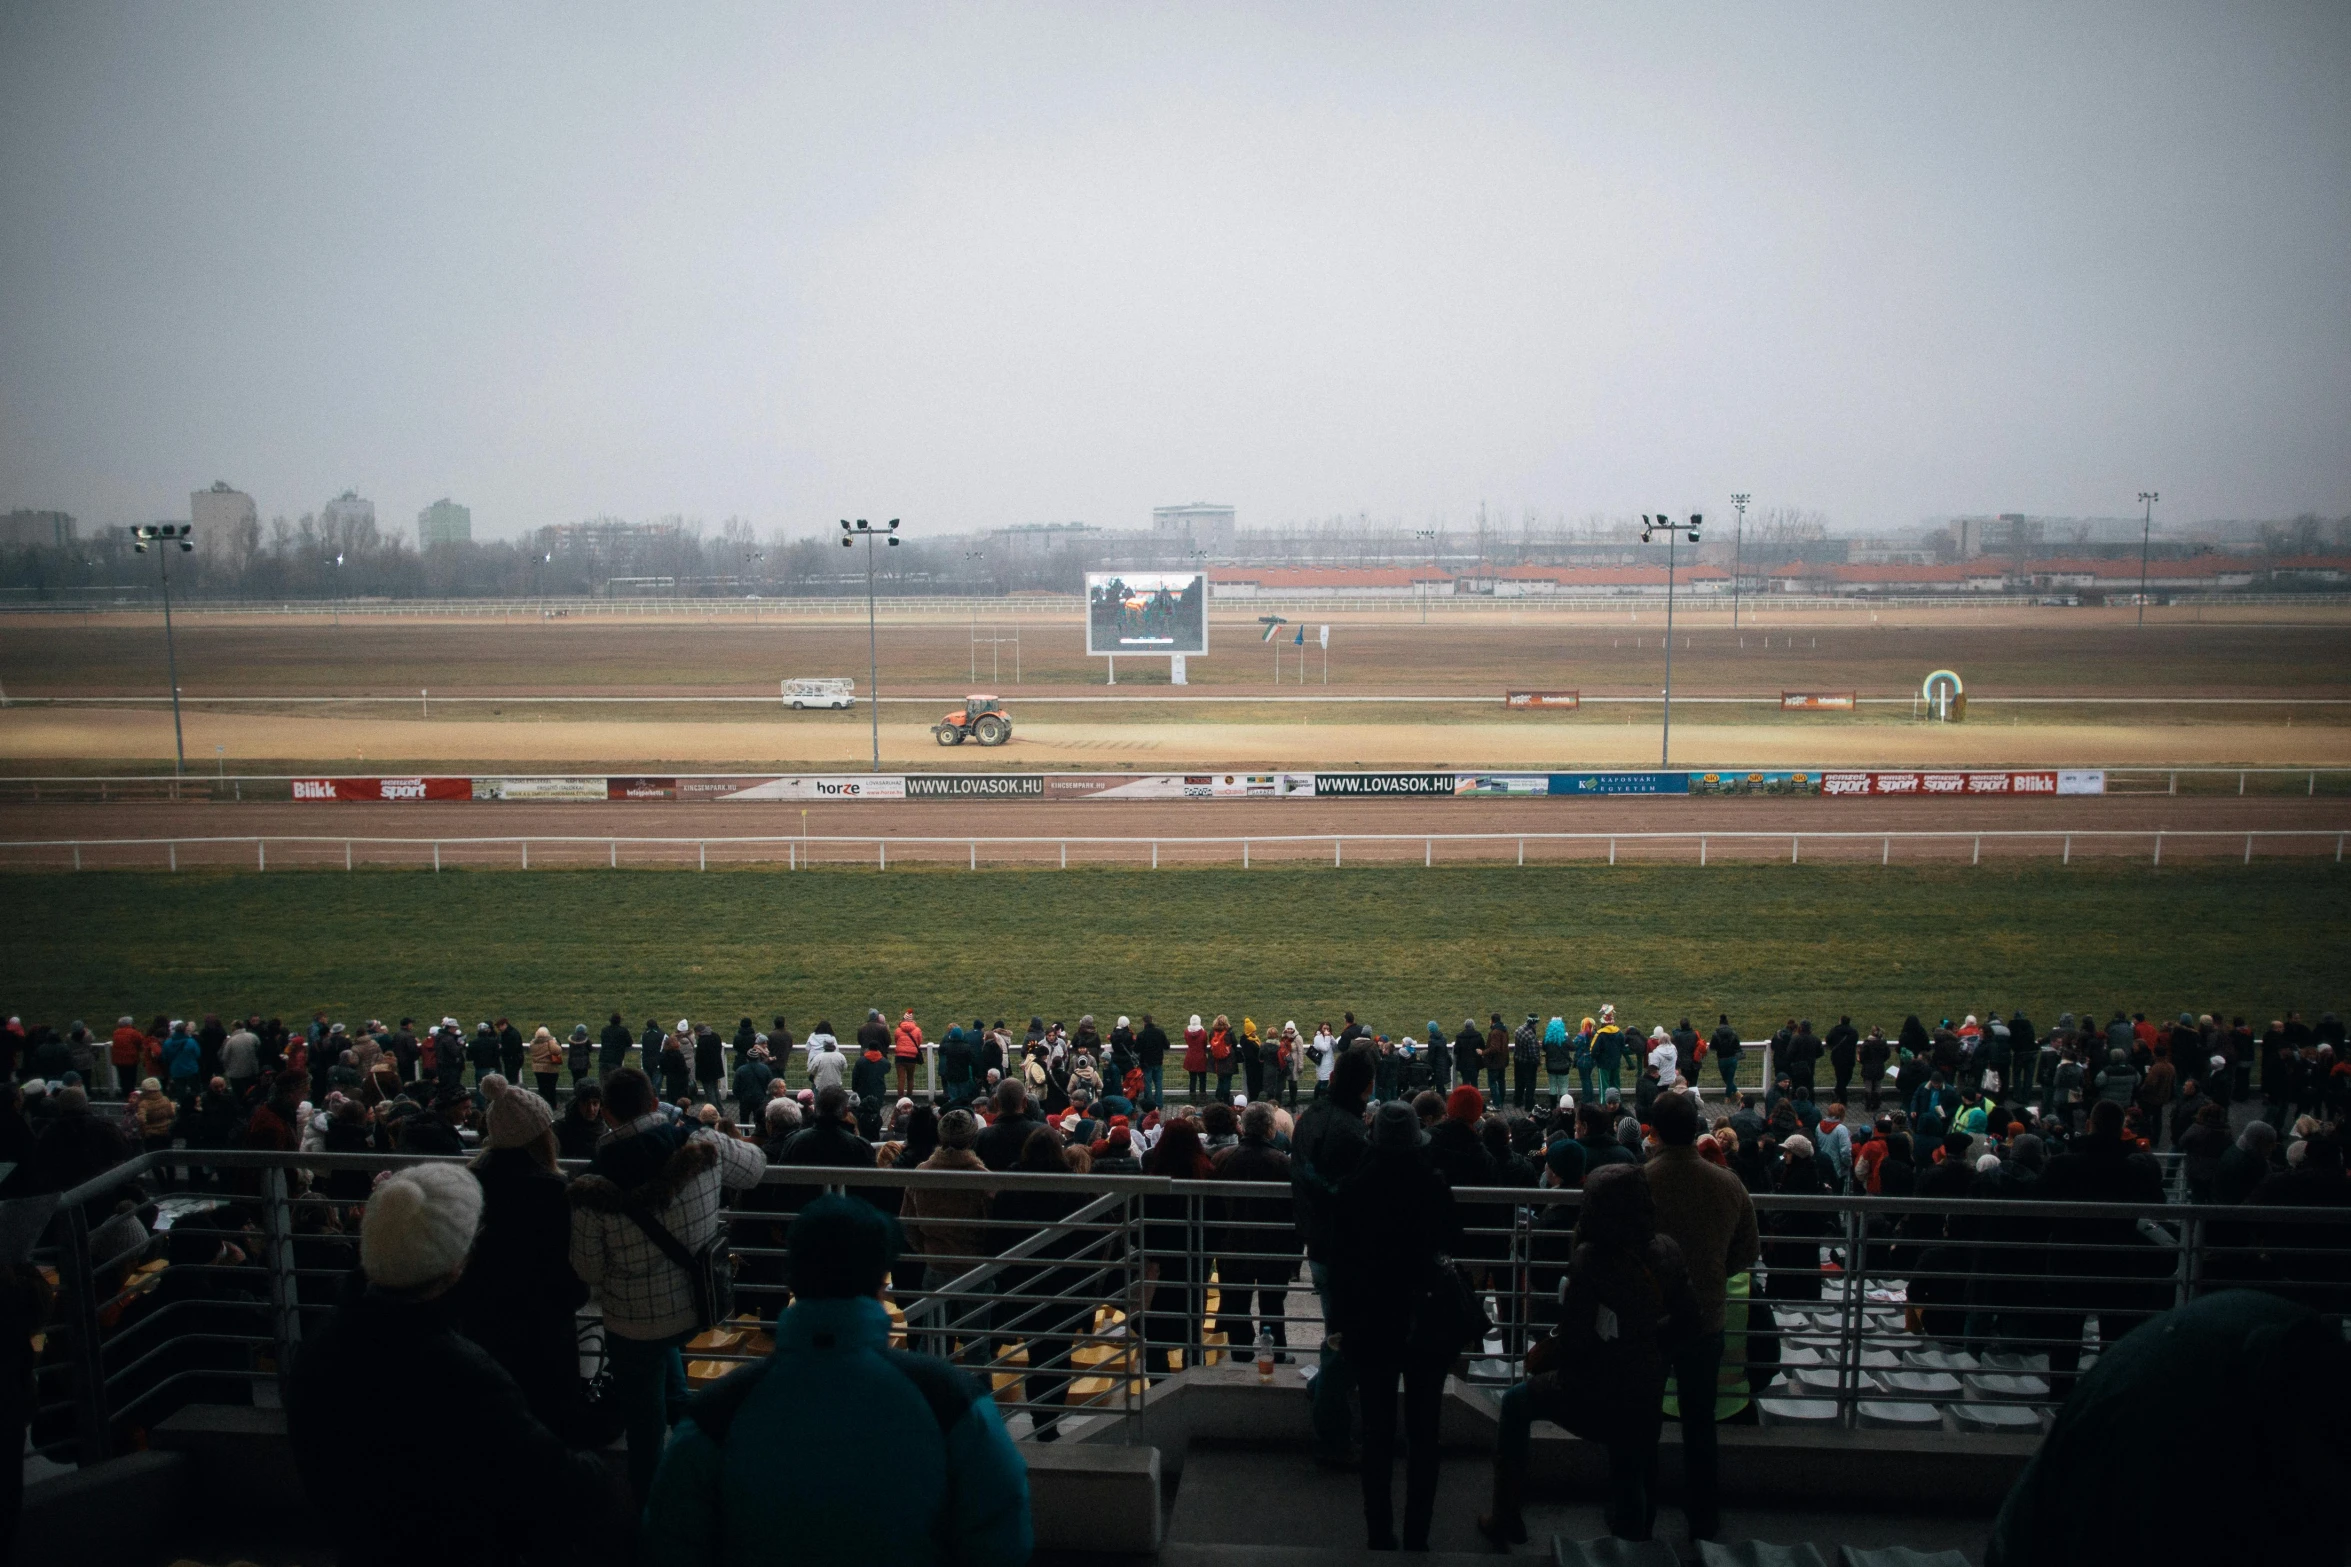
x=1883, y=1415
x=1796, y=1411
x=1924, y=1384
x=1956, y=1361
x=1995, y=1419
x=1996, y=1386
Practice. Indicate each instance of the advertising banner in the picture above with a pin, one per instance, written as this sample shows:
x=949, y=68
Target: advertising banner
x=1566, y=699
x=1947, y=784
x=1767, y=782
x=1819, y=701
x=640, y=788
x=380, y=789
x=1375, y=784
x=1501, y=783
x=852, y=786
x=1146, y=612
x=965, y=786
x=539, y=789
x=1620, y=783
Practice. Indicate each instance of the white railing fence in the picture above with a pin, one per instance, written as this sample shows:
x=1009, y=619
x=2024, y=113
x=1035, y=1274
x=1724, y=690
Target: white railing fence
x=809, y=851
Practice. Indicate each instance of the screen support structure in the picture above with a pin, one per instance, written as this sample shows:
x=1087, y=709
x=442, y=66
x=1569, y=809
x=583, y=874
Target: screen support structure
x=1175, y=666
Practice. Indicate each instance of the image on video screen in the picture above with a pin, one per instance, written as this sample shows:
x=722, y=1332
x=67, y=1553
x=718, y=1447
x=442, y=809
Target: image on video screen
x=1146, y=612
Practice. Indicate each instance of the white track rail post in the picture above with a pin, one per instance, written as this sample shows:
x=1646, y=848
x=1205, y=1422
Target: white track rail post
x=2159, y=848
x=346, y=854
x=2067, y=859
x=436, y=859
x=526, y=854
x=261, y=850
x=174, y=851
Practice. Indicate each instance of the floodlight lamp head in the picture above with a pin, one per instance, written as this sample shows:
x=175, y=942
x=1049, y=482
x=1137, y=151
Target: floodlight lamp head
x=844, y=524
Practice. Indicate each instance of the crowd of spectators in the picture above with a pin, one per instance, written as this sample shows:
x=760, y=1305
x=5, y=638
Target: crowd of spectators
x=676, y=1125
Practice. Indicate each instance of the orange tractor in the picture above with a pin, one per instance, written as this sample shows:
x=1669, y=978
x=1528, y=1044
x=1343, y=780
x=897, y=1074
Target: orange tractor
x=980, y=717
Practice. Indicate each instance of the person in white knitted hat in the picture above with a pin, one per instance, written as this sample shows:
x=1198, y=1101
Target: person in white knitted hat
x=414, y=1245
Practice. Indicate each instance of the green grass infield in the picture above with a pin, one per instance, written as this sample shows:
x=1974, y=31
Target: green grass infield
x=1398, y=945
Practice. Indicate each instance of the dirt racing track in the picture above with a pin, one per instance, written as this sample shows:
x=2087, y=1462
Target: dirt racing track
x=1138, y=833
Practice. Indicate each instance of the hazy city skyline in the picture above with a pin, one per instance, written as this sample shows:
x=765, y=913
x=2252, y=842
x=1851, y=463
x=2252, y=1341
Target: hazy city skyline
x=980, y=267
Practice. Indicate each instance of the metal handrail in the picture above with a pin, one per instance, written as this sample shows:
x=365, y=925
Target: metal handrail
x=1119, y=1265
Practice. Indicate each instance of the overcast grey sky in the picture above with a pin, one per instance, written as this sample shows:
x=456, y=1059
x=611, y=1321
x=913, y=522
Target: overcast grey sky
x=973, y=265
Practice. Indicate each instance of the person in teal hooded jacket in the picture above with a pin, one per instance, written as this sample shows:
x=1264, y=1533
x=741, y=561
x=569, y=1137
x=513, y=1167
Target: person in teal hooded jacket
x=1558, y=1054
x=776, y=1462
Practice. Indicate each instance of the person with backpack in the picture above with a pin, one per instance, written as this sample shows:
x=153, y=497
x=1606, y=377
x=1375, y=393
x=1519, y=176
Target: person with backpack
x=644, y=1219
x=1223, y=1049
x=1526, y=1060
x=774, y=1463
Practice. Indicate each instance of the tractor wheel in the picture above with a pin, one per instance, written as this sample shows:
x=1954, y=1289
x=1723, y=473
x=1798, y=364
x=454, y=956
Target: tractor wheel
x=992, y=729
x=948, y=734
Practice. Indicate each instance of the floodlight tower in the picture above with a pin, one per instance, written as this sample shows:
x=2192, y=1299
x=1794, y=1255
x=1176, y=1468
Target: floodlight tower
x=1672, y=530
x=160, y=536
x=2147, y=498
x=1738, y=550
x=850, y=533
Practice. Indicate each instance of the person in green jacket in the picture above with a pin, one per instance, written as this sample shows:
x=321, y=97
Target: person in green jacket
x=777, y=1462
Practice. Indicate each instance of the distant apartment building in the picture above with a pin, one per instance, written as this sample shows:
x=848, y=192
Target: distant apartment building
x=1201, y=526
x=604, y=538
x=222, y=515
x=346, y=513
x=444, y=522
x=38, y=528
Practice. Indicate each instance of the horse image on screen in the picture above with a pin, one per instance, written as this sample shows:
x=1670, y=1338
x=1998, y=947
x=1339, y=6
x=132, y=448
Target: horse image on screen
x=1146, y=612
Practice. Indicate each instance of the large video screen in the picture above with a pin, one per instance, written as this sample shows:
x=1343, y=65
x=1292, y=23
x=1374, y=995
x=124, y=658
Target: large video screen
x=1146, y=612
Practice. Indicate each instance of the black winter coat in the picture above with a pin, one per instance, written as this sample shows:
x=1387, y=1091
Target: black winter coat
x=385, y=1377
x=518, y=1294
x=1394, y=1217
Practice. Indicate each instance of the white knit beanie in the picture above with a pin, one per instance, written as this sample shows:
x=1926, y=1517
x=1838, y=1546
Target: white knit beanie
x=420, y=1226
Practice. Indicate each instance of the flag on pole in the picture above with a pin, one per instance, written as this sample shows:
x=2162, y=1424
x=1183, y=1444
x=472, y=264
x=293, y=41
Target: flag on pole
x=1272, y=624
x=1300, y=639
x=1326, y=636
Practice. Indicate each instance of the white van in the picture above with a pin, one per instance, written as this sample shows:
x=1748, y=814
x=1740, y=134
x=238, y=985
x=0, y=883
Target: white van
x=820, y=693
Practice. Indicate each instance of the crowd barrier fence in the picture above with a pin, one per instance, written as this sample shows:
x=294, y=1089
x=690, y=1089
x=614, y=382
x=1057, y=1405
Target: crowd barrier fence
x=1875, y=1313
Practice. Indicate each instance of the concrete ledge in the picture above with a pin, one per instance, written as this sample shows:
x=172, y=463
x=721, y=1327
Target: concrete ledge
x=124, y=1510
x=1782, y=1466
x=1094, y=1497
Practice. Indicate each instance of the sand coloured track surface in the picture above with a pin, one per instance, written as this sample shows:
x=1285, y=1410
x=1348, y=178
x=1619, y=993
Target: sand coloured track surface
x=70, y=738
x=1476, y=654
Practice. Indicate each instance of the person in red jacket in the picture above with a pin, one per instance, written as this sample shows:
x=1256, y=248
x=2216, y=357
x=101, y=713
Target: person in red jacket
x=122, y=1056
x=906, y=1046
x=1196, y=1058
